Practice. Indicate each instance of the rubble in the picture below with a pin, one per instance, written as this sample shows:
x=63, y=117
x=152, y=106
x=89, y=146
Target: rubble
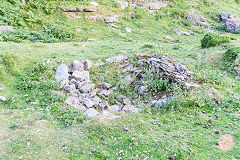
x=93, y=99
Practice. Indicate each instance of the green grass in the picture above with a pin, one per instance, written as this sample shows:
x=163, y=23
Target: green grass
x=182, y=138
x=181, y=129
x=153, y=136
x=38, y=15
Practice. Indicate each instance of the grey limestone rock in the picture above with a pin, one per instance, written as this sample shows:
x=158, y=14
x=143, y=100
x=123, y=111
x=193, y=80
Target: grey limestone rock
x=91, y=113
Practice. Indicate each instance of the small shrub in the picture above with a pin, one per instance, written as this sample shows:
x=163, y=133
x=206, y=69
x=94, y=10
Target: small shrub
x=232, y=57
x=211, y=40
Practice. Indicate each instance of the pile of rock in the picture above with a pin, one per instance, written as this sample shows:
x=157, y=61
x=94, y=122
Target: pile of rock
x=90, y=99
x=167, y=67
x=231, y=22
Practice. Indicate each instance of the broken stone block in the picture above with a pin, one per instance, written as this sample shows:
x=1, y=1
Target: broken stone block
x=110, y=20
x=131, y=109
x=99, y=64
x=128, y=30
x=77, y=65
x=115, y=108
x=104, y=105
x=127, y=101
x=120, y=97
x=105, y=85
x=182, y=32
x=127, y=80
x=105, y=93
x=94, y=3
x=81, y=75
x=72, y=89
x=88, y=103
x=75, y=103
x=116, y=59
x=168, y=68
x=91, y=113
x=96, y=100
x=225, y=16
x=87, y=87
x=87, y=65
x=62, y=73
x=161, y=102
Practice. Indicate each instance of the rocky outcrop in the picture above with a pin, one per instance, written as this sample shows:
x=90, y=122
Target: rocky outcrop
x=231, y=22
x=116, y=59
x=195, y=19
x=225, y=16
x=167, y=67
x=111, y=20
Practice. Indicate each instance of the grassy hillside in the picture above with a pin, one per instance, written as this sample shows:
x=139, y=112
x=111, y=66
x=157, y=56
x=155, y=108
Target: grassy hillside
x=43, y=20
x=50, y=129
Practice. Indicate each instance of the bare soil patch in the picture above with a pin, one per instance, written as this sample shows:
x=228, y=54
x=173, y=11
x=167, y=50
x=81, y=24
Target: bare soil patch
x=226, y=141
